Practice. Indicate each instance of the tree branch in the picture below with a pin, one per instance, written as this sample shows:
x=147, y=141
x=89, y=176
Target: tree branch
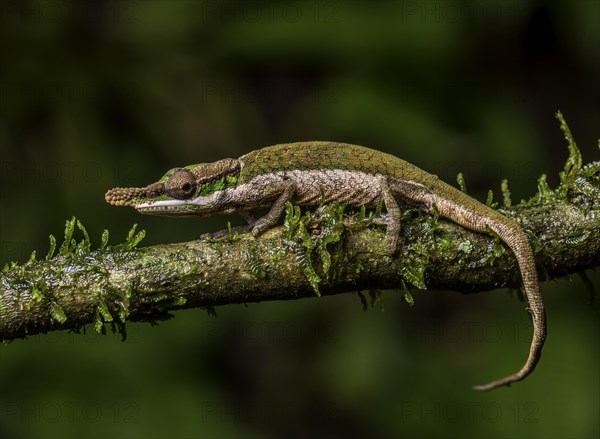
x=326, y=251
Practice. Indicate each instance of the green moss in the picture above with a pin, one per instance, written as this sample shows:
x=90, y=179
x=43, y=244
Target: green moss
x=444, y=244
x=331, y=231
x=465, y=247
x=178, y=301
x=574, y=162
x=295, y=226
x=313, y=236
x=406, y=293
x=36, y=296
x=124, y=295
x=415, y=274
x=577, y=241
x=57, y=313
x=498, y=249
x=85, y=244
x=133, y=238
x=305, y=256
x=103, y=311
x=254, y=265
x=490, y=200
x=52, y=248
x=591, y=170
x=545, y=194
x=378, y=208
x=460, y=179
x=292, y=219
x=104, y=239
x=99, y=323
x=362, y=213
x=68, y=245
x=506, y=200
x=70, y=251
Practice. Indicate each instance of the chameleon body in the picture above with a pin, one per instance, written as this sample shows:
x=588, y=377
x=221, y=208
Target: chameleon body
x=312, y=173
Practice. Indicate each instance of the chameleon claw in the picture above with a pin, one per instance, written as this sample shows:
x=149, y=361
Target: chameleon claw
x=259, y=227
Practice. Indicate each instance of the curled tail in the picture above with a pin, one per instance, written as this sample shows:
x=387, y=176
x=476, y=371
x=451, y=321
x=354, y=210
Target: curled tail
x=470, y=213
x=516, y=239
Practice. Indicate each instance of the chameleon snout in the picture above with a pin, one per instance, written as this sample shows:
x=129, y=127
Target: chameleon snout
x=132, y=196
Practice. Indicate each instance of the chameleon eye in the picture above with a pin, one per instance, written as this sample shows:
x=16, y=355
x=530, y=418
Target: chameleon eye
x=181, y=185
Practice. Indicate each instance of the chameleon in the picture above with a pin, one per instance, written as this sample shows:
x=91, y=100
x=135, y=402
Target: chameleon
x=314, y=173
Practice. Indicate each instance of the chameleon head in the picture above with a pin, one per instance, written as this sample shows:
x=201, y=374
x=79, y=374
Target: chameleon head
x=191, y=191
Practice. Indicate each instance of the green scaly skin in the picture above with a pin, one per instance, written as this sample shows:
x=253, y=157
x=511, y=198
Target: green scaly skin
x=312, y=173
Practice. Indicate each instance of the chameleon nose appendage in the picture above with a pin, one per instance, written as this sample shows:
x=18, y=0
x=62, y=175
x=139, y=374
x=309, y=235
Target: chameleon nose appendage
x=131, y=196
x=122, y=196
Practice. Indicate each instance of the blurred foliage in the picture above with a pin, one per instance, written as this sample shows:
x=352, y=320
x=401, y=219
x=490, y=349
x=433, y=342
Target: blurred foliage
x=110, y=93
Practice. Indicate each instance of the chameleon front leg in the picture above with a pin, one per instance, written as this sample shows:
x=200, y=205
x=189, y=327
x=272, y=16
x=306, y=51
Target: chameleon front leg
x=286, y=189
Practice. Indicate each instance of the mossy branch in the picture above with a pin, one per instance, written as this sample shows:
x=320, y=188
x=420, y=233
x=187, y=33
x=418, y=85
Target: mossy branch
x=328, y=251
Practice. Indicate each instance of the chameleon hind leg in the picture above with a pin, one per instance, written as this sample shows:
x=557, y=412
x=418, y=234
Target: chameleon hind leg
x=410, y=192
x=286, y=190
x=393, y=220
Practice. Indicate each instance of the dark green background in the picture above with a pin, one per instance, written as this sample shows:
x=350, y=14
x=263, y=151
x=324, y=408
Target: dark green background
x=101, y=94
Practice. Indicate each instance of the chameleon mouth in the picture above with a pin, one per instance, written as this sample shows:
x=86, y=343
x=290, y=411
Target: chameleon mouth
x=189, y=210
x=132, y=196
x=199, y=206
